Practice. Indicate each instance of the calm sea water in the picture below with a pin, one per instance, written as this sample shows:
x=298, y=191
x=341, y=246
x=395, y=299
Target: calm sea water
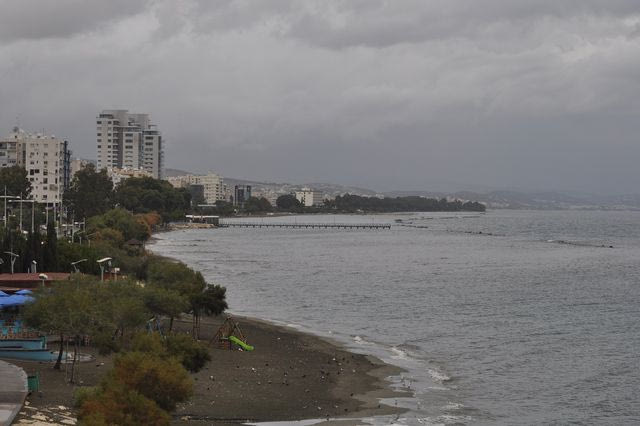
x=508, y=317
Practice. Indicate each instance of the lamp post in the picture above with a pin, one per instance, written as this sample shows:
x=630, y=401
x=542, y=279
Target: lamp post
x=34, y=267
x=101, y=262
x=6, y=197
x=43, y=277
x=21, y=201
x=13, y=259
x=75, y=268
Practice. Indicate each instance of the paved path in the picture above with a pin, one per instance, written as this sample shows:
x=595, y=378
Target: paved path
x=13, y=391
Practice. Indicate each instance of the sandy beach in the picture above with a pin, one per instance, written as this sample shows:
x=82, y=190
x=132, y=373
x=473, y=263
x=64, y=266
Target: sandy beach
x=289, y=376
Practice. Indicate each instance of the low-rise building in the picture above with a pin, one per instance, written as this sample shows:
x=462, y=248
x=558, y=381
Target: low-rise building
x=309, y=198
x=76, y=165
x=213, y=188
x=118, y=175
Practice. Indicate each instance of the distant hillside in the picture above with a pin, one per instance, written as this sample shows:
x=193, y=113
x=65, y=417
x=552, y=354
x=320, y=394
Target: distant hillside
x=176, y=172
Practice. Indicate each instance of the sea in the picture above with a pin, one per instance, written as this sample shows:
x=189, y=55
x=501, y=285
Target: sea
x=505, y=317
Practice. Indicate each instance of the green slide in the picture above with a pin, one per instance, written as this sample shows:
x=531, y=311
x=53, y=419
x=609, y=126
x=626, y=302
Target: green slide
x=240, y=343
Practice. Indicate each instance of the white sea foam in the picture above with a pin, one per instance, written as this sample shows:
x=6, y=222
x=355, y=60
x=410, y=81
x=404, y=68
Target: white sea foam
x=438, y=376
x=452, y=406
x=359, y=340
x=398, y=353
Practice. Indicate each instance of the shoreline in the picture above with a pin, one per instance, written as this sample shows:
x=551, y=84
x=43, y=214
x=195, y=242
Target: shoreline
x=291, y=376
x=365, y=393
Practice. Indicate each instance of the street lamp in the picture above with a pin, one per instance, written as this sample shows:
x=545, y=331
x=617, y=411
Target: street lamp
x=34, y=267
x=13, y=259
x=101, y=262
x=43, y=277
x=75, y=268
x=33, y=204
x=6, y=197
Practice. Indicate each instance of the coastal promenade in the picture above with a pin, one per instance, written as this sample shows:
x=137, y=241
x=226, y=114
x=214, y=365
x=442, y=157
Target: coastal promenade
x=13, y=391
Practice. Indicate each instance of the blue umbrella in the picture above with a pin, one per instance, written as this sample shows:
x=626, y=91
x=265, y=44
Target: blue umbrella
x=23, y=292
x=16, y=300
x=3, y=294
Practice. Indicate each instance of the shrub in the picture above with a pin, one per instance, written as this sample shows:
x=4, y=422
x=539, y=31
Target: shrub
x=82, y=394
x=164, y=381
x=192, y=354
x=151, y=343
x=119, y=405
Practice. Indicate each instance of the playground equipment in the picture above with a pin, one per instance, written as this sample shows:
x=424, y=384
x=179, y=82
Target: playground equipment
x=240, y=343
x=229, y=334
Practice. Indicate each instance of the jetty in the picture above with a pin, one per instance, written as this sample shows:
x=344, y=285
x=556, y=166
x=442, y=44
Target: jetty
x=234, y=224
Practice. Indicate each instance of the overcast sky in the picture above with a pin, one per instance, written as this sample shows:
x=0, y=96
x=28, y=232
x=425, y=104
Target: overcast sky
x=396, y=94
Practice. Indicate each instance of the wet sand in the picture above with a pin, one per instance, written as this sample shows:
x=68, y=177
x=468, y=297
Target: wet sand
x=289, y=376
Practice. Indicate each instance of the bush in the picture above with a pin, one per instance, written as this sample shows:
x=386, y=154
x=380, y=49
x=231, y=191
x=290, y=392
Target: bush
x=151, y=343
x=81, y=395
x=119, y=405
x=192, y=354
x=164, y=381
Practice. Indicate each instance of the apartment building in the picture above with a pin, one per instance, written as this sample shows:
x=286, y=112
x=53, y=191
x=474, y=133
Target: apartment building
x=213, y=187
x=309, y=198
x=129, y=141
x=46, y=159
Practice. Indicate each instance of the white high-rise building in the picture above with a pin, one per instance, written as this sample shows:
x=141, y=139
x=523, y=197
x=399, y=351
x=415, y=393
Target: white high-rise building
x=45, y=158
x=129, y=141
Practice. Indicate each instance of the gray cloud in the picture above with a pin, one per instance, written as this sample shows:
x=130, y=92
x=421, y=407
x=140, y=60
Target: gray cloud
x=385, y=94
x=38, y=19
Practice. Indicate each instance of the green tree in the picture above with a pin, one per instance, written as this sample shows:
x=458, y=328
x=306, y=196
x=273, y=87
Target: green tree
x=257, y=205
x=203, y=299
x=165, y=302
x=91, y=193
x=50, y=255
x=68, y=311
x=208, y=302
x=122, y=307
x=15, y=179
x=288, y=202
x=145, y=194
x=120, y=220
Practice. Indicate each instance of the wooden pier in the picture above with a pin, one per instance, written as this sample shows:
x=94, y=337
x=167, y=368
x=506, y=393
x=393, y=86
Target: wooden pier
x=234, y=224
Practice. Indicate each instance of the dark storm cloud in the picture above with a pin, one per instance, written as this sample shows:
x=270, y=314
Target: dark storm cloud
x=37, y=19
x=388, y=94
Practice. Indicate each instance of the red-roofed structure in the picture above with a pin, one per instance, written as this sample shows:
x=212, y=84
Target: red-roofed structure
x=15, y=282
